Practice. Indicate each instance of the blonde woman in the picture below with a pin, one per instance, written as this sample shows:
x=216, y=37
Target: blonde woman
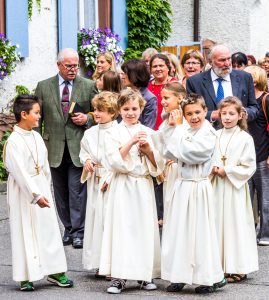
x=105, y=61
x=257, y=128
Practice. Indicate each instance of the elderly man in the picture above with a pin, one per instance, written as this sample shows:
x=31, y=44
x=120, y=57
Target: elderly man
x=62, y=133
x=222, y=81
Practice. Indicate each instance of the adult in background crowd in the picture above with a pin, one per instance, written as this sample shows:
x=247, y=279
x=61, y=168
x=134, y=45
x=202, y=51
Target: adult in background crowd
x=192, y=63
x=251, y=60
x=257, y=128
x=147, y=55
x=207, y=44
x=136, y=76
x=176, y=70
x=105, y=61
x=239, y=60
x=222, y=81
x=266, y=67
x=62, y=134
x=160, y=68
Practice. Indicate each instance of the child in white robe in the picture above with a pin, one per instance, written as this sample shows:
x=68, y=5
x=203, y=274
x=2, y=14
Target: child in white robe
x=235, y=163
x=172, y=94
x=91, y=154
x=131, y=243
x=37, y=248
x=190, y=252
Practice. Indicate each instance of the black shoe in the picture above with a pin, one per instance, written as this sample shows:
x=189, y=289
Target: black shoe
x=175, y=287
x=77, y=243
x=67, y=240
x=205, y=289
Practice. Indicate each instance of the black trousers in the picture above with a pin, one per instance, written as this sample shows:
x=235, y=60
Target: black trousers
x=158, y=190
x=260, y=182
x=70, y=196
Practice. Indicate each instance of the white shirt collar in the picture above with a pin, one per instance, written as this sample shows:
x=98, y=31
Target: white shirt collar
x=215, y=77
x=61, y=80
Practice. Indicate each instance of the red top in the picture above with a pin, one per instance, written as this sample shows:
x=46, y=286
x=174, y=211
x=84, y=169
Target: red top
x=156, y=90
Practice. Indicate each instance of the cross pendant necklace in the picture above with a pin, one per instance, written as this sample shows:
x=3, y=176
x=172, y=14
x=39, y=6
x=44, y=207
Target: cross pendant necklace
x=224, y=155
x=223, y=158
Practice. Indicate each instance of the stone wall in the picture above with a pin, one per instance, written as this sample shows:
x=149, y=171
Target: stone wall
x=41, y=62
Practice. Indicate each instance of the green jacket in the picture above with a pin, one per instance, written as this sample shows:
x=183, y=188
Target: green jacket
x=57, y=130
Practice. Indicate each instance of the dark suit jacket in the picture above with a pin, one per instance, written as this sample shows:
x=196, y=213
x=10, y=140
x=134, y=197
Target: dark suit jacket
x=149, y=113
x=242, y=87
x=57, y=131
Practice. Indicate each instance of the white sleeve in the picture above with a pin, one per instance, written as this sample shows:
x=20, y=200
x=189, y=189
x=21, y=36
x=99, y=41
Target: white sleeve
x=239, y=174
x=17, y=169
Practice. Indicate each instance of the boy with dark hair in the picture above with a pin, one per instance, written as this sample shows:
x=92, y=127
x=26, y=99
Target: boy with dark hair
x=37, y=249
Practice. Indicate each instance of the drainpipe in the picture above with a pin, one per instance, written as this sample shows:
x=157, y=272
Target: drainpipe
x=196, y=20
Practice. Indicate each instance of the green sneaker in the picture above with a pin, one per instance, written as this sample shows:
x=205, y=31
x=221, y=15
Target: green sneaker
x=220, y=284
x=27, y=286
x=60, y=279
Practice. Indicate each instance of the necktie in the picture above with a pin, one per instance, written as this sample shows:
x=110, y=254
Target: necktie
x=65, y=99
x=220, y=91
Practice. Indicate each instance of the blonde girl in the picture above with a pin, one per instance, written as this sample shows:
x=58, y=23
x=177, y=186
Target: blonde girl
x=234, y=165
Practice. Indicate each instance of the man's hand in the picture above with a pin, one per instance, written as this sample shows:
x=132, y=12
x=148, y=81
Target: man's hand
x=79, y=119
x=43, y=202
x=214, y=115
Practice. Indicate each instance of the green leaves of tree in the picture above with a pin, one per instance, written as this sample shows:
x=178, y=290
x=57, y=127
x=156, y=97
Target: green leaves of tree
x=149, y=25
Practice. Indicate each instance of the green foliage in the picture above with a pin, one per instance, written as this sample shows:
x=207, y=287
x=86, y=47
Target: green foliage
x=149, y=25
x=3, y=172
x=8, y=57
x=21, y=89
x=30, y=8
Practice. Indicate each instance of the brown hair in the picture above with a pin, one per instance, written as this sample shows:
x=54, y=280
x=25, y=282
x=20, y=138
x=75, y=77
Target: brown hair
x=24, y=102
x=195, y=54
x=193, y=99
x=232, y=100
x=129, y=94
x=176, y=88
x=111, y=82
x=106, y=101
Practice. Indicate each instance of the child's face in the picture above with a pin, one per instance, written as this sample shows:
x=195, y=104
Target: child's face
x=130, y=112
x=229, y=116
x=31, y=119
x=102, y=117
x=195, y=115
x=169, y=101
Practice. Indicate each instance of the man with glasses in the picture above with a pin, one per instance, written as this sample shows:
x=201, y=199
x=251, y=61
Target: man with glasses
x=62, y=133
x=222, y=81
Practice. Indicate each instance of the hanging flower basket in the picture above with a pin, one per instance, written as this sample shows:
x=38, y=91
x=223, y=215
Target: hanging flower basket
x=91, y=42
x=8, y=57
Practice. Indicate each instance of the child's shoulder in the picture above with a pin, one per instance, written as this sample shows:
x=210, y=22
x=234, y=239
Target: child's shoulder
x=207, y=128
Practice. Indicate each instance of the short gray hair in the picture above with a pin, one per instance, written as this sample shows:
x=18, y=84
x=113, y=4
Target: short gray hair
x=213, y=50
x=66, y=51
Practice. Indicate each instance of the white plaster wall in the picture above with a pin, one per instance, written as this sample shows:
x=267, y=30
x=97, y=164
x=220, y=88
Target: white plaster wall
x=182, y=22
x=259, y=28
x=241, y=24
x=41, y=62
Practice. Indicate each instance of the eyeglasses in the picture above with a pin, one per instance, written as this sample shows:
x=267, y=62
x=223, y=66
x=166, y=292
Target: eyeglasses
x=70, y=67
x=192, y=63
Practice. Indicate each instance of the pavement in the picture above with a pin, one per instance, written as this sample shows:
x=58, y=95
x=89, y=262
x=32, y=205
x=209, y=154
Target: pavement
x=87, y=287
